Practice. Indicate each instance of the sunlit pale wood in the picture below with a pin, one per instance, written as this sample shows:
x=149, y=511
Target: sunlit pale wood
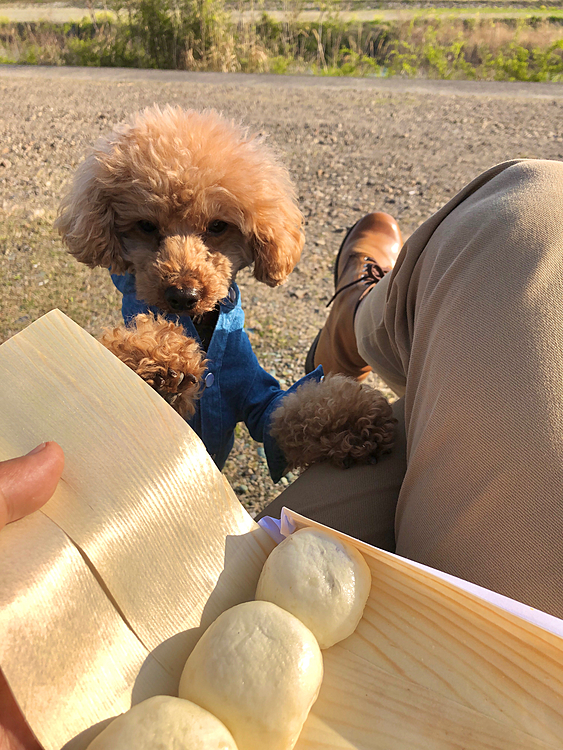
x=103, y=594
x=67, y=653
x=361, y=706
x=140, y=499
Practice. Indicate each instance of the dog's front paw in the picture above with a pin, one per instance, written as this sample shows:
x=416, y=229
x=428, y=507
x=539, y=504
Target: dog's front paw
x=159, y=352
x=174, y=387
x=338, y=420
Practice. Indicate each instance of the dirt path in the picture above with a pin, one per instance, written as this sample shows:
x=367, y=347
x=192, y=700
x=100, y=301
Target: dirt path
x=396, y=85
x=351, y=146
x=57, y=14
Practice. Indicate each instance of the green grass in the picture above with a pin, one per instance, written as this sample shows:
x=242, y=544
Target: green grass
x=37, y=275
x=200, y=35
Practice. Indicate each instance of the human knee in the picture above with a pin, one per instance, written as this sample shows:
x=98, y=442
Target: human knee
x=527, y=198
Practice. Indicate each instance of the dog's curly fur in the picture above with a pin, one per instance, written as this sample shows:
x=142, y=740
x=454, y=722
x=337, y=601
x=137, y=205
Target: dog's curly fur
x=163, y=356
x=150, y=198
x=338, y=420
x=183, y=200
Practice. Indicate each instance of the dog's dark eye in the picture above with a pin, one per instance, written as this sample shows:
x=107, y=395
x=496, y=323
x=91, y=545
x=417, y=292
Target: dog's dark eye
x=147, y=227
x=217, y=227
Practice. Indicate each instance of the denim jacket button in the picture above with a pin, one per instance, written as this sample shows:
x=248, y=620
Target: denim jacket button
x=209, y=379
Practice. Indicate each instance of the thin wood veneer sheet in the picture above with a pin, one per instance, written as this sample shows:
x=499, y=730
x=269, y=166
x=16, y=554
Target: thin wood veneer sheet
x=156, y=544
x=67, y=654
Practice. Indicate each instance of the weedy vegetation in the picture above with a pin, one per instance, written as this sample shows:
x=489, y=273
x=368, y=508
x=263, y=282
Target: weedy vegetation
x=205, y=35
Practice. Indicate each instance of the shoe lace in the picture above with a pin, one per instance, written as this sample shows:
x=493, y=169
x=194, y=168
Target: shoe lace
x=372, y=274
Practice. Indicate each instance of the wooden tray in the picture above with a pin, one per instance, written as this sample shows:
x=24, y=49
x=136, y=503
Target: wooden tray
x=104, y=592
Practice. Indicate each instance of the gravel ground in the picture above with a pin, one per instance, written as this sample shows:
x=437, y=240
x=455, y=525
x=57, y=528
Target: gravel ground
x=350, y=149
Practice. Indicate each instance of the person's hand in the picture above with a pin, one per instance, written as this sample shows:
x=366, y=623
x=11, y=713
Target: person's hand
x=26, y=483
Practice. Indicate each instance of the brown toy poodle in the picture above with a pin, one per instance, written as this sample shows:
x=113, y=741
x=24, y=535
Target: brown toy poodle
x=175, y=203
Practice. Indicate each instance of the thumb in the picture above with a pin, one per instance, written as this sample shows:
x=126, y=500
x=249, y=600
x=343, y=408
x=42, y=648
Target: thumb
x=27, y=482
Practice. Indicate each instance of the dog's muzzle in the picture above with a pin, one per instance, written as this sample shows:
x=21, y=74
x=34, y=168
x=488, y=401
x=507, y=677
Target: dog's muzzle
x=182, y=299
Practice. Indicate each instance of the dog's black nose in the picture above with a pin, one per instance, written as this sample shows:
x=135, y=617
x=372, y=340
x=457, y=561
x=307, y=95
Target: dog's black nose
x=182, y=299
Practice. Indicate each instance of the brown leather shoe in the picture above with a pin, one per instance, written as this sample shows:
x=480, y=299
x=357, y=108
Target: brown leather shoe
x=368, y=252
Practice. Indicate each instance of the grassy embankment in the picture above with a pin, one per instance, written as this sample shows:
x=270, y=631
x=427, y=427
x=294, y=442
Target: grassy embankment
x=202, y=35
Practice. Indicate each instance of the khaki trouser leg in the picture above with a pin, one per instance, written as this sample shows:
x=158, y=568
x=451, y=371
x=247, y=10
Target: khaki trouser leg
x=474, y=319
x=469, y=326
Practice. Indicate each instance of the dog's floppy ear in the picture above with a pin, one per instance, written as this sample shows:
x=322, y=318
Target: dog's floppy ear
x=86, y=218
x=278, y=242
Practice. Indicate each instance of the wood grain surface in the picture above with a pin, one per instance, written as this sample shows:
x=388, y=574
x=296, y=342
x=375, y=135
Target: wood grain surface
x=104, y=592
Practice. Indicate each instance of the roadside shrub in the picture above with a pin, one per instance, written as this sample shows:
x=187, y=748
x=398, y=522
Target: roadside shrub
x=201, y=35
x=478, y=49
